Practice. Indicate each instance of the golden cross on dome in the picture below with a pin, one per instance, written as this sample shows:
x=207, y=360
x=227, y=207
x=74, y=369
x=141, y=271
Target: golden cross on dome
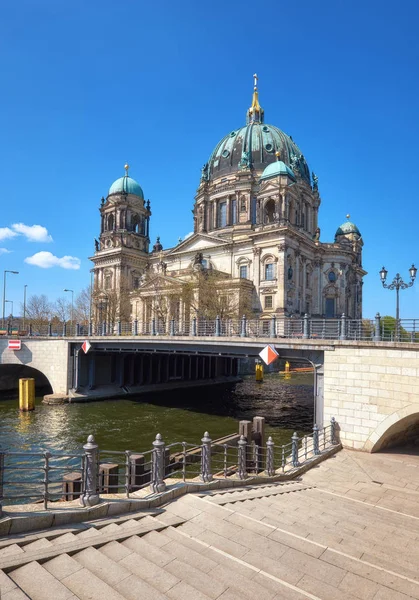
x=255, y=80
x=348, y=216
x=277, y=154
x=126, y=167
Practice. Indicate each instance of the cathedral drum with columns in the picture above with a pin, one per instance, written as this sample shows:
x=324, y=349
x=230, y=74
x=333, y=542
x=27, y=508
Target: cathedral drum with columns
x=255, y=249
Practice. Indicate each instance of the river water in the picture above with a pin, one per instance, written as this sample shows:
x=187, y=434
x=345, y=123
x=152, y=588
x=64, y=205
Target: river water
x=179, y=415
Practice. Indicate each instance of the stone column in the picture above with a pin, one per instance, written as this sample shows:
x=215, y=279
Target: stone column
x=256, y=268
x=303, y=296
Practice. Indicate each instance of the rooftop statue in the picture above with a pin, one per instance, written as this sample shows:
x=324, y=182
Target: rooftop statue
x=315, y=181
x=204, y=173
x=245, y=160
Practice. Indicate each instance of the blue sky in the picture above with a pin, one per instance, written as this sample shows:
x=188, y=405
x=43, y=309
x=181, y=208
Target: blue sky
x=87, y=86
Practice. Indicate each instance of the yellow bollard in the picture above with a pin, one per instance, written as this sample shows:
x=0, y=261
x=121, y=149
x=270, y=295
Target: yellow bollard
x=27, y=394
x=259, y=372
x=287, y=367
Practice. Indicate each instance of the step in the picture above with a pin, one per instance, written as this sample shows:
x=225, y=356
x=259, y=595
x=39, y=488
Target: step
x=40, y=544
x=156, y=576
x=184, y=591
x=39, y=584
x=196, y=578
x=240, y=496
x=10, y=550
x=9, y=588
x=186, y=554
x=116, y=575
x=83, y=583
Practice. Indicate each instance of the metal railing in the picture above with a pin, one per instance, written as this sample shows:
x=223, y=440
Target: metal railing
x=47, y=477
x=304, y=327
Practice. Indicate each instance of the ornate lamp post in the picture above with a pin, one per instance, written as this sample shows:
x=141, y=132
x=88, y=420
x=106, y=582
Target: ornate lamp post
x=398, y=284
x=4, y=292
x=72, y=304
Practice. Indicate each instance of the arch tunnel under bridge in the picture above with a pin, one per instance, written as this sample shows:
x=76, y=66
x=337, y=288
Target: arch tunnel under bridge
x=11, y=373
x=129, y=367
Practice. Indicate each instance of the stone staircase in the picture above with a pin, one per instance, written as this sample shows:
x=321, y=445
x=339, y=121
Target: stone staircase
x=288, y=541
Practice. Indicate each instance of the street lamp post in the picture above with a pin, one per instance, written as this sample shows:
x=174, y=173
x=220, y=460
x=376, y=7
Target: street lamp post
x=398, y=284
x=10, y=324
x=4, y=292
x=72, y=304
x=24, y=307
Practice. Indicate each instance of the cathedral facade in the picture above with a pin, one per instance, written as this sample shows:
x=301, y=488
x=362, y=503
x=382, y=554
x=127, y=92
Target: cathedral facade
x=255, y=249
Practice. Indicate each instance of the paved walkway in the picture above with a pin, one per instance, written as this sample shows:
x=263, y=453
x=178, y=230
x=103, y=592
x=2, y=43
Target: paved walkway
x=348, y=529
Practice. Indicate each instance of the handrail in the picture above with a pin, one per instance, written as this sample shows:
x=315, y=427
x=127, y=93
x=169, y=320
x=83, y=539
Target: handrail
x=85, y=475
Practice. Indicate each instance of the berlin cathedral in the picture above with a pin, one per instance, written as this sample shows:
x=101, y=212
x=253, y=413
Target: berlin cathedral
x=256, y=245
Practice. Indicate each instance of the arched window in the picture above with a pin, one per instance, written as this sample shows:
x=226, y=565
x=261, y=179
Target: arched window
x=222, y=214
x=111, y=222
x=269, y=211
x=243, y=271
x=269, y=271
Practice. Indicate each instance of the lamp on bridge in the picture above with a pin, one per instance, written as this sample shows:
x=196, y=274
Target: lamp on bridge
x=398, y=284
x=4, y=292
x=72, y=304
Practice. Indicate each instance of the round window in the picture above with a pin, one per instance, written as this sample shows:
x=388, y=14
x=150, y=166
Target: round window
x=225, y=154
x=232, y=134
x=332, y=276
x=269, y=147
x=264, y=128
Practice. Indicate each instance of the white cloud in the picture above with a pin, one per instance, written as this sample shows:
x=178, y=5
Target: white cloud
x=4, y=251
x=33, y=233
x=6, y=233
x=46, y=260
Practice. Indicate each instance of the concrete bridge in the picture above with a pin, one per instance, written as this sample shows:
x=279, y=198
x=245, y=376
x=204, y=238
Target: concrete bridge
x=371, y=388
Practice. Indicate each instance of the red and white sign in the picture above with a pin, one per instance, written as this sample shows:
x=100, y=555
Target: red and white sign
x=268, y=354
x=86, y=345
x=15, y=345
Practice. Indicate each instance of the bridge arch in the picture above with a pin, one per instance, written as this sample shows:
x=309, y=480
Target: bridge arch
x=399, y=428
x=11, y=373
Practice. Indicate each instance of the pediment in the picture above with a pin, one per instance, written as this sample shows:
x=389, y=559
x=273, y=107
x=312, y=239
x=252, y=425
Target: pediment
x=198, y=241
x=160, y=282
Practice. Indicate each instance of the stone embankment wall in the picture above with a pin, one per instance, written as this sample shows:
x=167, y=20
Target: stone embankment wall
x=50, y=357
x=373, y=393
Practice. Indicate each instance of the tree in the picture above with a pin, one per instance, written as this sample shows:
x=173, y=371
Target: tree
x=82, y=306
x=38, y=311
x=388, y=328
x=62, y=309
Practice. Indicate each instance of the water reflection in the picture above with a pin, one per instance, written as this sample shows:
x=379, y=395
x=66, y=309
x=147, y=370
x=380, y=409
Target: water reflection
x=178, y=415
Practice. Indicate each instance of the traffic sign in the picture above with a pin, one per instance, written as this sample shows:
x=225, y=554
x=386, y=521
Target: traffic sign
x=268, y=354
x=86, y=345
x=15, y=345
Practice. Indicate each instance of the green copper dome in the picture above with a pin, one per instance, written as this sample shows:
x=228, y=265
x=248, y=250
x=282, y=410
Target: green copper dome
x=128, y=185
x=257, y=143
x=348, y=228
x=277, y=169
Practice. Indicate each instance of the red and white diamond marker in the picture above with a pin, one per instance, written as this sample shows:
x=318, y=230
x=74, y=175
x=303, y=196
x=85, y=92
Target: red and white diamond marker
x=86, y=345
x=268, y=354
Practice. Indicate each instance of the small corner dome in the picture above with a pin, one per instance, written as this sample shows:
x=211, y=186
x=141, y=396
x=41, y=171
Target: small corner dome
x=128, y=185
x=349, y=230
x=277, y=169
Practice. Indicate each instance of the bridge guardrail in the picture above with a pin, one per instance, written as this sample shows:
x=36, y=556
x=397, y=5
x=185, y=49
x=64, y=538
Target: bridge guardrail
x=48, y=477
x=303, y=327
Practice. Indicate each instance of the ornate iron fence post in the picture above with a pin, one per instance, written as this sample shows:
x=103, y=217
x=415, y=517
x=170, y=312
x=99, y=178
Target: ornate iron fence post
x=118, y=327
x=194, y=328
x=90, y=496
x=30, y=329
x=90, y=332
x=243, y=326
x=272, y=327
x=217, y=326
x=206, y=474
x=377, y=328
x=64, y=329
x=104, y=328
x=47, y=456
x=172, y=327
x=135, y=327
x=49, y=329
x=157, y=465
x=342, y=335
x=242, y=447
x=316, y=449
x=294, y=449
x=270, y=467
x=333, y=439
x=1, y=480
x=153, y=326
x=306, y=324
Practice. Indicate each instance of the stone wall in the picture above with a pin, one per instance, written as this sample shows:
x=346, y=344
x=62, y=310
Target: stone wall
x=369, y=390
x=51, y=357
